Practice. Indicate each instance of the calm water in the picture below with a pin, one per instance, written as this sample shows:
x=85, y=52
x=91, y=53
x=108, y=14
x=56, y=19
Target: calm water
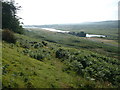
x=93, y=35
x=55, y=30
x=61, y=31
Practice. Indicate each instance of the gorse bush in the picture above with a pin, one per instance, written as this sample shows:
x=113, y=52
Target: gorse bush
x=89, y=65
x=8, y=36
x=61, y=53
x=35, y=49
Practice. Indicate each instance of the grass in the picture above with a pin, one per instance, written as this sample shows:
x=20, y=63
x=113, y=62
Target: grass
x=20, y=70
x=109, y=28
x=106, y=41
x=106, y=48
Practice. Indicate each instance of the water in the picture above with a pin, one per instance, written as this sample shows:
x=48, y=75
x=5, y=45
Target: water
x=93, y=35
x=87, y=35
x=55, y=30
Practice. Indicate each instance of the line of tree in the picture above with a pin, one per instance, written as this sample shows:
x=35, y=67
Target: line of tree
x=80, y=34
x=10, y=20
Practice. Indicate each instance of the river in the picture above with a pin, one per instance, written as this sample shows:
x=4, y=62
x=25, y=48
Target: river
x=61, y=31
x=93, y=35
x=55, y=30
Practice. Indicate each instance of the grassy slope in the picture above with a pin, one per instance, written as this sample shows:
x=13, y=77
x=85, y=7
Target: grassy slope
x=109, y=28
x=76, y=42
x=22, y=71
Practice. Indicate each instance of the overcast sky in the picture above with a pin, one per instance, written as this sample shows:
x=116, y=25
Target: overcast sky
x=37, y=12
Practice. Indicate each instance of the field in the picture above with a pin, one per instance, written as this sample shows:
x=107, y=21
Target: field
x=44, y=59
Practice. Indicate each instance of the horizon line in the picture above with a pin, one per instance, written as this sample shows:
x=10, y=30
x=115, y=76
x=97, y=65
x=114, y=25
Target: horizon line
x=71, y=23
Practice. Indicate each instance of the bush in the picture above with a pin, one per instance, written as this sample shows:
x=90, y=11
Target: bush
x=8, y=36
x=44, y=43
x=80, y=34
x=61, y=53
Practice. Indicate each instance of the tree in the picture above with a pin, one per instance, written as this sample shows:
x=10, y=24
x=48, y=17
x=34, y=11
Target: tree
x=9, y=18
x=81, y=34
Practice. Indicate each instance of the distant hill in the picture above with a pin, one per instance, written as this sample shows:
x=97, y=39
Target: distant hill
x=78, y=26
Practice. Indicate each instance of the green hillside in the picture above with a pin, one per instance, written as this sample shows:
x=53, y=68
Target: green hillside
x=108, y=49
x=36, y=63
x=37, y=58
x=109, y=28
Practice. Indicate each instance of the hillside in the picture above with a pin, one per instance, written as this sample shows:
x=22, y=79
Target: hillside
x=109, y=28
x=44, y=60
x=88, y=25
x=64, y=39
x=81, y=55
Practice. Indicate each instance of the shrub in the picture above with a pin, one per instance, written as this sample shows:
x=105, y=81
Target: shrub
x=80, y=34
x=38, y=45
x=61, y=53
x=40, y=56
x=8, y=36
x=44, y=43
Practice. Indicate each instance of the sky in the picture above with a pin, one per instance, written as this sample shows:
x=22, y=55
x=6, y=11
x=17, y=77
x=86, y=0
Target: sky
x=40, y=12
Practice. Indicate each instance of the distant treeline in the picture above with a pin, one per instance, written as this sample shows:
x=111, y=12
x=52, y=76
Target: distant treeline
x=80, y=34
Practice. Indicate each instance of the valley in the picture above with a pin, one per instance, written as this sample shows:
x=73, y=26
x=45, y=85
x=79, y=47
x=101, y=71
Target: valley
x=45, y=59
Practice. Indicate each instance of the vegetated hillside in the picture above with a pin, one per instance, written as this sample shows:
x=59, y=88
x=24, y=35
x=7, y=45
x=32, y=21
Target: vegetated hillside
x=36, y=63
x=109, y=28
x=74, y=42
x=78, y=26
